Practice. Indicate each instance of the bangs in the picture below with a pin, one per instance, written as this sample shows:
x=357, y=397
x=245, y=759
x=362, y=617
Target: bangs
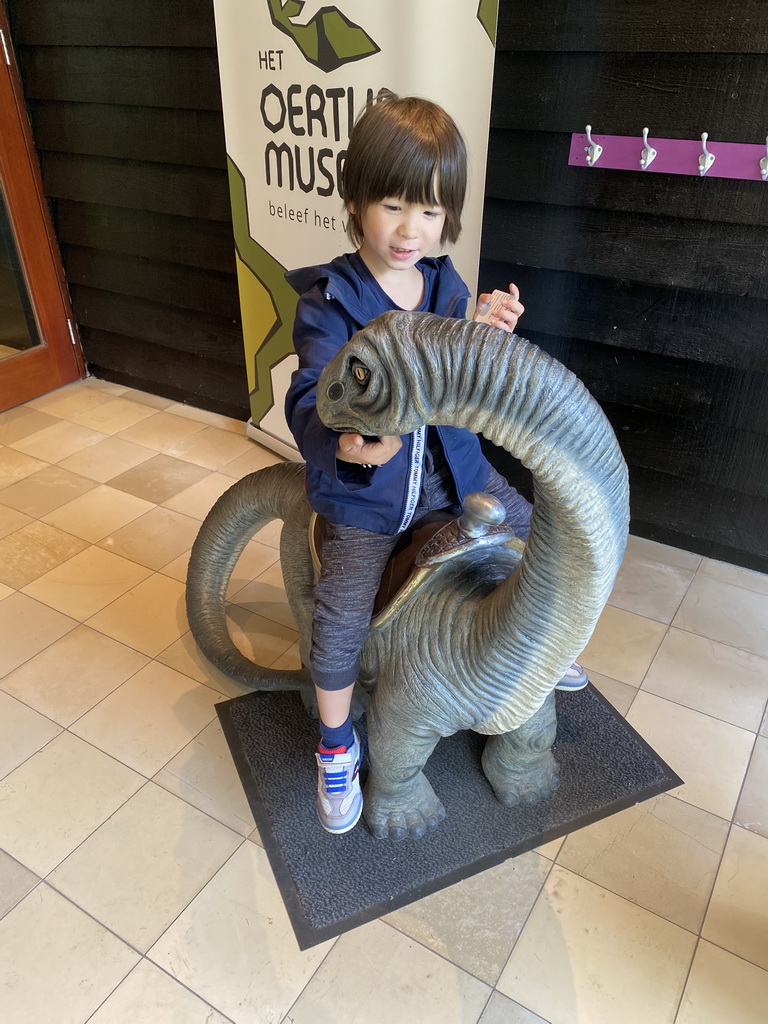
x=406, y=148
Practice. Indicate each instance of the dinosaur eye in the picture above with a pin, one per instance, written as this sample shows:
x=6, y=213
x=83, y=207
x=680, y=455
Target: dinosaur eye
x=361, y=372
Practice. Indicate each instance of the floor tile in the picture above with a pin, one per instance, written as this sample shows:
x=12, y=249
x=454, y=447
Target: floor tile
x=375, y=973
x=145, y=398
x=107, y=386
x=159, y=478
x=149, y=617
x=141, y=868
x=22, y=733
x=251, y=461
x=255, y=560
x=57, y=442
x=501, y=1010
x=70, y=400
x=150, y=718
x=729, y=614
x=656, y=552
x=710, y=756
x=587, y=955
x=5, y=591
x=234, y=945
x=34, y=550
x=707, y=676
x=76, y=788
x=662, y=854
x=148, y=996
x=27, y=627
x=21, y=422
x=266, y=596
x=737, y=918
x=650, y=588
x=198, y=500
x=736, y=574
x=15, y=882
x=16, y=466
x=106, y=459
x=623, y=645
x=211, y=447
x=98, y=513
x=476, y=922
x=752, y=809
x=291, y=660
x=58, y=964
x=11, y=520
x=260, y=639
x=161, y=430
x=722, y=987
x=45, y=490
x=73, y=674
x=177, y=567
x=211, y=419
x=86, y=583
x=153, y=539
x=112, y=416
x=186, y=657
x=204, y=775
x=618, y=694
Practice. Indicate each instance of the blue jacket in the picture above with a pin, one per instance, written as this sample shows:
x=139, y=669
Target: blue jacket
x=336, y=301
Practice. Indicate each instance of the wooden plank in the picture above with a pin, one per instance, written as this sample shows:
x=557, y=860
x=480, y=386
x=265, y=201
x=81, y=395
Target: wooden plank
x=533, y=167
x=677, y=96
x=725, y=330
x=181, y=376
x=188, y=241
x=706, y=26
x=731, y=259
x=713, y=521
x=159, y=134
x=156, y=77
x=212, y=338
x=183, y=287
x=113, y=23
x=161, y=188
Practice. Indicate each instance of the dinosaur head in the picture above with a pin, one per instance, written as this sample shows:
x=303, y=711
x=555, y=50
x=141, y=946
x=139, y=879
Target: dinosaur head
x=372, y=385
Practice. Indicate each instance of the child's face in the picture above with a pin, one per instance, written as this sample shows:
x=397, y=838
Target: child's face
x=396, y=234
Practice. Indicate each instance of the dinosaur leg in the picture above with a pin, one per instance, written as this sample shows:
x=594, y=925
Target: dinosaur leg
x=519, y=764
x=399, y=802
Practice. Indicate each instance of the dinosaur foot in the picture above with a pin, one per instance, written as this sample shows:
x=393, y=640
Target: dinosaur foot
x=407, y=814
x=525, y=782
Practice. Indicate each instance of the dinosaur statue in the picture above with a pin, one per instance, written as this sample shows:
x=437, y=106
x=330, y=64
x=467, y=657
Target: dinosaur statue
x=484, y=638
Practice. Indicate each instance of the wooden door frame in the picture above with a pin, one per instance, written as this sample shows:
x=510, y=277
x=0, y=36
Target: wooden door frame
x=59, y=359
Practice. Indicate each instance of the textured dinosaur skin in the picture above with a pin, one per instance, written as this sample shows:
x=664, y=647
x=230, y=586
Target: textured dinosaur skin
x=484, y=641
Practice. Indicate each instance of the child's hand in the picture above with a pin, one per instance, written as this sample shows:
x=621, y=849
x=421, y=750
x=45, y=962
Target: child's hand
x=506, y=314
x=354, y=448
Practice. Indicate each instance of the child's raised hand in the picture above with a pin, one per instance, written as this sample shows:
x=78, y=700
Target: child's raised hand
x=354, y=448
x=503, y=313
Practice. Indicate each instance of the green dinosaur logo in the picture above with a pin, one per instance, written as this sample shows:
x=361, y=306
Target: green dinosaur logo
x=325, y=36
x=487, y=13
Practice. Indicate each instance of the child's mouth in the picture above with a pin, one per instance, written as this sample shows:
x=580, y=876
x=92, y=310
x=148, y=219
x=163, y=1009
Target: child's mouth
x=401, y=254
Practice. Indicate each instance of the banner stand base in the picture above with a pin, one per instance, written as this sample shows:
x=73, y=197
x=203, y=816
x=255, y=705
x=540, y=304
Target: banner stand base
x=273, y=443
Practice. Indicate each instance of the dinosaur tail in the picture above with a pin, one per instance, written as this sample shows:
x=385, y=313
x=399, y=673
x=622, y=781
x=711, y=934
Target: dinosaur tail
x=247, y=506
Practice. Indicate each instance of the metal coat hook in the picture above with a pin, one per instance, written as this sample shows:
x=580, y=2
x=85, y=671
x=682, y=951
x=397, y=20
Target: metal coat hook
x=649, y=153
x=706, y=159
x=593, y=150
x=764, y=162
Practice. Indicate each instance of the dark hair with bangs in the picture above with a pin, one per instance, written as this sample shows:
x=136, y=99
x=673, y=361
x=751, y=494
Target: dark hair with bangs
x=405, y=147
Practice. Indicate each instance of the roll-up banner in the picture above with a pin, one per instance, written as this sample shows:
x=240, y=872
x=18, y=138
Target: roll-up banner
x=294, y=78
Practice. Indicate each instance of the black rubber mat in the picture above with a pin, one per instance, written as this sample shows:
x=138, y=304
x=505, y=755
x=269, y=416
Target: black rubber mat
x=333, y=883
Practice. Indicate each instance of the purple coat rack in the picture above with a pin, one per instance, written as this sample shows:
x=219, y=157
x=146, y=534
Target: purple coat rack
x=744, y=160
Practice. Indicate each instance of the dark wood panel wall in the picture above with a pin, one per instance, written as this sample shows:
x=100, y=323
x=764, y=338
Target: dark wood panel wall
x=125, y=105
x=652, y=289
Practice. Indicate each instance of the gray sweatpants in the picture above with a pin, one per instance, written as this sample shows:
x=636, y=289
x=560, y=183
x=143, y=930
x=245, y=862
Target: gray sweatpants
x=353, y=562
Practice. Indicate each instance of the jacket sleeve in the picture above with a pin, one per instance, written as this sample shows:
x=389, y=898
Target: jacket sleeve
x=321, y=328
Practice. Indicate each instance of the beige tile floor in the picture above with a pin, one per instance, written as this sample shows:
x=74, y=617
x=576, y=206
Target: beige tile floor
x=133, y=886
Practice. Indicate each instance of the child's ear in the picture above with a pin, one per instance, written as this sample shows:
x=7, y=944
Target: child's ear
x=350, y=208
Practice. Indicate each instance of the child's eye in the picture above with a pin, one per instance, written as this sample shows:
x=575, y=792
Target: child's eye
x=391, y=206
